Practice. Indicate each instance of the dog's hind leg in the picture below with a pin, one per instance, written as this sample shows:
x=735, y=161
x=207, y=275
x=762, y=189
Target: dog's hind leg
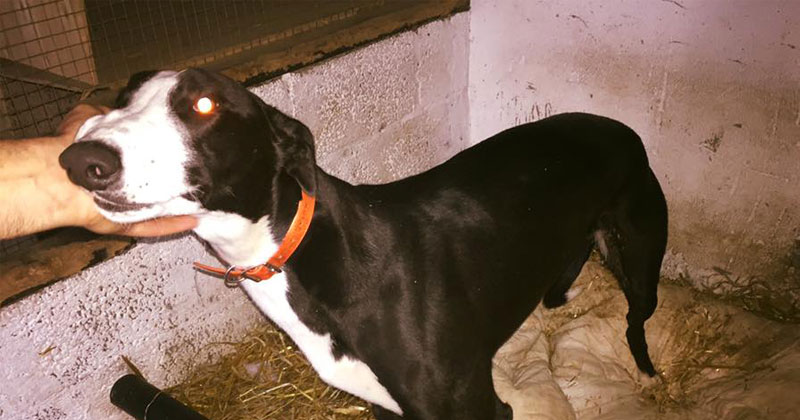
x=634, y=237
x=557, y=295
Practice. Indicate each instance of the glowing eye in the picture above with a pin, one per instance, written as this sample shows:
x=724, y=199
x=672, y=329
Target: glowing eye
x=204, y=105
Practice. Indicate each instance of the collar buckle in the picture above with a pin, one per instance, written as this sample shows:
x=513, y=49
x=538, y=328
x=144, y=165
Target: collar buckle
x=232, y=279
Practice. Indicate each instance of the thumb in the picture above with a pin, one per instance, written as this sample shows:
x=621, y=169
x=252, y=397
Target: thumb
x=160, y=227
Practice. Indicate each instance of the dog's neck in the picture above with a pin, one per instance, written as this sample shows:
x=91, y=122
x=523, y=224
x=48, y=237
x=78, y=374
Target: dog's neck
x=242, y=242
x=236, y=239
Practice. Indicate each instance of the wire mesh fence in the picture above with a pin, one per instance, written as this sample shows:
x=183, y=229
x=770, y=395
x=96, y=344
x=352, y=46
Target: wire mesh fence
x=54, y=51
x=45, y=64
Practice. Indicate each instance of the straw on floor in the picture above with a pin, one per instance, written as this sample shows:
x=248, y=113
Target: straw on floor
x=265, y=377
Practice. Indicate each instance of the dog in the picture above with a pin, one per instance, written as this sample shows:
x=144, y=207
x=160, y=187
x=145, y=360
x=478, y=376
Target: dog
x=399, y=293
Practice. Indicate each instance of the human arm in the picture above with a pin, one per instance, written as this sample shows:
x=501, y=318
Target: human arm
x=37, y=195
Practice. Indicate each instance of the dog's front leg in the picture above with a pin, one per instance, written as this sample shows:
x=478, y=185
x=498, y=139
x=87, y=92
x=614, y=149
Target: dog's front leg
x=384, y=414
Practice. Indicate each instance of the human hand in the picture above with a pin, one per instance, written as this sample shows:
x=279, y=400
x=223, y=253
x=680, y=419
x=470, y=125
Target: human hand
x=73, y=121
x=81, y=202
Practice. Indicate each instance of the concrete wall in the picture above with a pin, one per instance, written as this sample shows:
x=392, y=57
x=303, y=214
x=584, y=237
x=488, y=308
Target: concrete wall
x=713, y=88
x=385, y=111
x=62, y=347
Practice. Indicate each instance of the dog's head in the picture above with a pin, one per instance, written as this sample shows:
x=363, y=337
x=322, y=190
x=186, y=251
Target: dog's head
x=187, y=143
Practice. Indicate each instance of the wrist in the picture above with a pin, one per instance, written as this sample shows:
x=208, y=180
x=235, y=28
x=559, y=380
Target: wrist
x=29, y=208
x=30, y=157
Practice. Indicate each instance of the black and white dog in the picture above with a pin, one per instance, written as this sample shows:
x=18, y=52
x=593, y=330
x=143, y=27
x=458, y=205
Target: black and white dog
x=399, y=293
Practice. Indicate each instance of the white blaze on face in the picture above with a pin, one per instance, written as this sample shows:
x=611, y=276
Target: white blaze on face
x=153, y=151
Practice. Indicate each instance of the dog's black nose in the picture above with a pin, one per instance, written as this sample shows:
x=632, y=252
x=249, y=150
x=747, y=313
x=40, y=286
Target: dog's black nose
x=91, y=164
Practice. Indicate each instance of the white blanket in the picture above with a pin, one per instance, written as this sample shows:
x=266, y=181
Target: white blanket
x=717, y=360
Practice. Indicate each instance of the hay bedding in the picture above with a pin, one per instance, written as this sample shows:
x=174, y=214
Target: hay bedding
x=265, y=377
x=717, y=360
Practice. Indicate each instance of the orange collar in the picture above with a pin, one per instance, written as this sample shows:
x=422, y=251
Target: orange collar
x=297, y=230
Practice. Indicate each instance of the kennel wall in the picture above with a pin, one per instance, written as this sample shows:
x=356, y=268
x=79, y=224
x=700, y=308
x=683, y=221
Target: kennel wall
x=712, y=87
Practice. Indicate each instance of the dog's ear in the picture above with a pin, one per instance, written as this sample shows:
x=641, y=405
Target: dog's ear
x=295, y=146
x=124, y=95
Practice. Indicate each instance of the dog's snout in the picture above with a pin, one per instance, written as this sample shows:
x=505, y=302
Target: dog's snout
x=91, y=164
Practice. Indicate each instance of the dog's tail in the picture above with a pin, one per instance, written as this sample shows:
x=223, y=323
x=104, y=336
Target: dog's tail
x=632, y=238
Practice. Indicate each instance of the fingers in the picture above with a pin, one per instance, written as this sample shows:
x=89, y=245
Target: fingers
x=160, y=227
x=76, y=117
x=149, y=228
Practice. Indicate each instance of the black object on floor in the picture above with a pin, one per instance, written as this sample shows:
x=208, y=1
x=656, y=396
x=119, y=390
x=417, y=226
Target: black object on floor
x=145, y=402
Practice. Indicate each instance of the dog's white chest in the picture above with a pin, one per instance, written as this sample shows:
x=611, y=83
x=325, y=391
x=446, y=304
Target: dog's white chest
x=348, y=374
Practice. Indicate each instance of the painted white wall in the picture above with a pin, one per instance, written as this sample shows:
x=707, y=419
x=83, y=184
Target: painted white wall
x=386, y=111
x=148, y=305
x=711, y=86
x=381, y=112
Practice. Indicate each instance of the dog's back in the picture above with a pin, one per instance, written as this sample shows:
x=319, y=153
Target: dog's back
x=457, y=257
x=511, y=221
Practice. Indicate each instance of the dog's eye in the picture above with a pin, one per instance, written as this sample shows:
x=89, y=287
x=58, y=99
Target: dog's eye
x=204, y=105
